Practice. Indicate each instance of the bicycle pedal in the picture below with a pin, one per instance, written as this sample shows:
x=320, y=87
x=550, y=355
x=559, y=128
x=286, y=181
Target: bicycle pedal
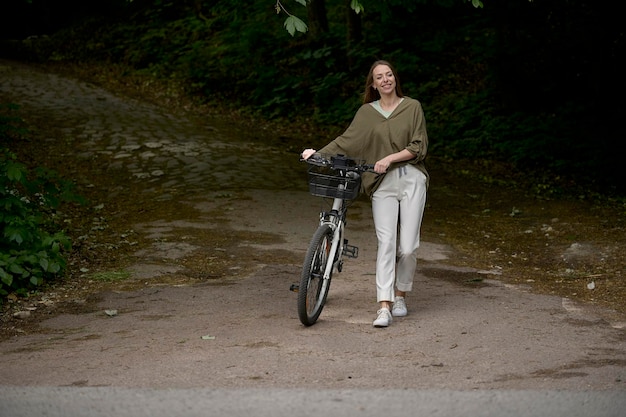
x=351, y=251
x=294, y=287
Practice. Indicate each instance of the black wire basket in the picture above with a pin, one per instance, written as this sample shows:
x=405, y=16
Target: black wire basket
x=324, y=182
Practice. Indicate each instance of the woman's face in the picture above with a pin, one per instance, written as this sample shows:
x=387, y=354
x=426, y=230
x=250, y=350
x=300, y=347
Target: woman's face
x=384, y=80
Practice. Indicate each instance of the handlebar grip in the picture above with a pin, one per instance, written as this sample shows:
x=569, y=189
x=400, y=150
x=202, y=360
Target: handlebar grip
x=338, y=162
x=316, y=159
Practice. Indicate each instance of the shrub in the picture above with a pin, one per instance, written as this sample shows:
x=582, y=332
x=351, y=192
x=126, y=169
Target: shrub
x=32, y=246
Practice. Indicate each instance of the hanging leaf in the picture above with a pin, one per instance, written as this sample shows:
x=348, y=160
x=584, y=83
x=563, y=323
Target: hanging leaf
x=293, y=24
x=356, y=6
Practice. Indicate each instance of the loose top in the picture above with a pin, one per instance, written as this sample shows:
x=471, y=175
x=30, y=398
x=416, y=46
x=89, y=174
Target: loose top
x=371, y=136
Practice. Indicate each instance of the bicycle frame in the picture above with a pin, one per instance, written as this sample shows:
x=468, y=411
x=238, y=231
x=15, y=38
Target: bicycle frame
x=336, y=220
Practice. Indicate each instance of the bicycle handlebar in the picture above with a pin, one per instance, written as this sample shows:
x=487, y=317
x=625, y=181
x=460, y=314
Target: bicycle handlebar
x=338, y=162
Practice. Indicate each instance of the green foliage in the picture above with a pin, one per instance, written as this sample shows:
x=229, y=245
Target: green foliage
x=504, y=81
x=476, y=3
x=356, y=6
x=293, y=24
x=32, y=248
x=10, y=124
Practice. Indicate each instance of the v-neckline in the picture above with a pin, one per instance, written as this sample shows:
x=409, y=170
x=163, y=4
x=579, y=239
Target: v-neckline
x=376, y=104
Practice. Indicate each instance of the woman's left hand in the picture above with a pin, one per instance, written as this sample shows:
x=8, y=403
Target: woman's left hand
x=382, y=166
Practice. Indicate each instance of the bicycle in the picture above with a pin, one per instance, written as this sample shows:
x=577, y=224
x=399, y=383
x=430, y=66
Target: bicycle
x=337, y=177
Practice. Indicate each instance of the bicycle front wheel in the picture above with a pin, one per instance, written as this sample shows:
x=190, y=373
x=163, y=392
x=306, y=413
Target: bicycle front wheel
x=313, y=287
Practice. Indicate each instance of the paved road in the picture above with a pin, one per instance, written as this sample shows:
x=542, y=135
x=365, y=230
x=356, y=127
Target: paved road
x=483, y=350
x=107, y=402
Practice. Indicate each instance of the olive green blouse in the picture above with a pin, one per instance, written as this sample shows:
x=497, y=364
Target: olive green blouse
x=372, y=136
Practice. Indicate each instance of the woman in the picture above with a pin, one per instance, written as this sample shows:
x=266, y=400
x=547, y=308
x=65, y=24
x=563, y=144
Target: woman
x=389, y=131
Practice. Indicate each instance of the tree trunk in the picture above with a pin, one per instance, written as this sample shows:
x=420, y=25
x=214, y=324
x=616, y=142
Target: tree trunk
x=318, y=21
x=354, y=32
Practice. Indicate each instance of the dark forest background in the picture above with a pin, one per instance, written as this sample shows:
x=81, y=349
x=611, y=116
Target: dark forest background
x=535, y=84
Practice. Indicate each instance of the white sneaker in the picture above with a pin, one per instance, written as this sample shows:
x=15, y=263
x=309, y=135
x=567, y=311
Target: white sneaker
x=384, y=318
x=399, y=307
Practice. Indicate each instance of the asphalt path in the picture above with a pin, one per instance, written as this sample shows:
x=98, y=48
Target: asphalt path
x=107, y=401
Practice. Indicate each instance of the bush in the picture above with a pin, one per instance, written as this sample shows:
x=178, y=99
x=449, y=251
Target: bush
x=32, y=248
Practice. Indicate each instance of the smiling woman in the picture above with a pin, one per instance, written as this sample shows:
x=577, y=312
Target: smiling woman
x=382, y=89
x=389, y=132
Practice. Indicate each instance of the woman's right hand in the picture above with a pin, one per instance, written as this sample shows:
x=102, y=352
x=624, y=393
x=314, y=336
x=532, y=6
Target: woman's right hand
x=306, y=154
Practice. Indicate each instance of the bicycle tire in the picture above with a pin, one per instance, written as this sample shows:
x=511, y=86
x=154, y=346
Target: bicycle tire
x=313, y=288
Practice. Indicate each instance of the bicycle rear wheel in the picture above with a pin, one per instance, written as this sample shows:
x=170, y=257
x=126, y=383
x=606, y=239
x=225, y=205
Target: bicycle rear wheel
x=313, y=287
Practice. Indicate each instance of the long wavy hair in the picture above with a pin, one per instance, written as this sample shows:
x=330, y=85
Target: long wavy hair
x=371, y=94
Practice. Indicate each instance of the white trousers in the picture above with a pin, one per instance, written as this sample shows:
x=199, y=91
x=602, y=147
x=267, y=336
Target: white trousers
x=398, y=208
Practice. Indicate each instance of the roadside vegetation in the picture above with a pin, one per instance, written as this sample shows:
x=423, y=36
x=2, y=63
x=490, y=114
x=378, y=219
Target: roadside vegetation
x=515, y=85
x=515, y=81
x=33, y=245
